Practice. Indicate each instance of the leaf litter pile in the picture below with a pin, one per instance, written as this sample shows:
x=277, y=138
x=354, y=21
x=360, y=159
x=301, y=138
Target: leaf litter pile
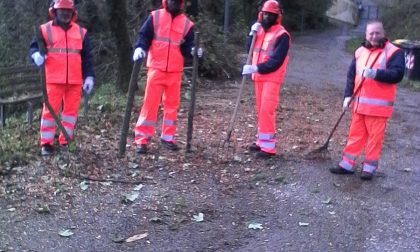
x=167, y=190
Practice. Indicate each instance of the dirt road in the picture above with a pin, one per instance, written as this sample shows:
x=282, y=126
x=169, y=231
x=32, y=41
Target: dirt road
x=299, y=204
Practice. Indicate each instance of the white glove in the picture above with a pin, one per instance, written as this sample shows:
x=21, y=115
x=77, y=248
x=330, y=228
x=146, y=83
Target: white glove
x=369, y=73
x=346, y=103
x=139, y=54
x=88, y=84
x=199, y=52
x=38, y=58
x=254, y=28
x=249, y=69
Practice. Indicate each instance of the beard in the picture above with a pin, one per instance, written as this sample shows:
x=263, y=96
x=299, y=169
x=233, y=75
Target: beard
x=267, y=23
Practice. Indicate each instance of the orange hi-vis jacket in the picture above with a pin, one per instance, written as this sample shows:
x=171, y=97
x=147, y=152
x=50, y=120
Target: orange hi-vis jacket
x=63, y=63
x=165, y=53
x=263, y=49
x=375, y=98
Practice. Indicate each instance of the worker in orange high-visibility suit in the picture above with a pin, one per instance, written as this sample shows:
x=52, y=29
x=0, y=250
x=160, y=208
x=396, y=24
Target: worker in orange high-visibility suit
x=68, y=66
x=376, y=68
x=268, y=68
x=167, y=35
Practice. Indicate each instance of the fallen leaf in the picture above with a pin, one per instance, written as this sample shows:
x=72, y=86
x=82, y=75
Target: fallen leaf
x=136, y=237
x=155, y=219
x=198, y=218
x=65, y=233
x=84, y=185
x=118, y=239
x=255, y=226
x=43, y=209
x=327, y=201
x=106, y=183
x=303, y=224
x=133, y=165
x=138, y=187
x=132, y=196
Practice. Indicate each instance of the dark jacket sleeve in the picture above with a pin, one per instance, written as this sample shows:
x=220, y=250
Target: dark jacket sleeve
x=351, y=74
x=394, y=71
x=87, y=59
x=277, y=58
x=145, y=34
x=188, y=44
x=33, y=47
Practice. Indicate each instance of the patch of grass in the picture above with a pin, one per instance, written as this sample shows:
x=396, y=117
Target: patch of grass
x=415, y=85
x=352, y=44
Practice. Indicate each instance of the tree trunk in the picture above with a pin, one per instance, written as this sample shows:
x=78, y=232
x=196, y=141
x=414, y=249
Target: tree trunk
x=118, y=26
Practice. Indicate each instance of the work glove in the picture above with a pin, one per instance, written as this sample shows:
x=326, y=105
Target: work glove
x=139, y=54
x=199, y=52
x=249, y=69
x=88, y=84
x=254, y=28
x=38, y=58
x=369, y=73
x=346, y=103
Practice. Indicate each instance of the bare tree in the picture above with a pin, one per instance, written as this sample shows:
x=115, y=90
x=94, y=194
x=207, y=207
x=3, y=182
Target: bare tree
x=118, y=25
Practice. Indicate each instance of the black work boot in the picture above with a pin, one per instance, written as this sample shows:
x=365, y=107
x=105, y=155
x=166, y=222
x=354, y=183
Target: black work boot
x=264, y=155
x=169, y=145
x=366, y=175
x=141, y=149
x=340, y=170
x=47, y=150
x=254, y=147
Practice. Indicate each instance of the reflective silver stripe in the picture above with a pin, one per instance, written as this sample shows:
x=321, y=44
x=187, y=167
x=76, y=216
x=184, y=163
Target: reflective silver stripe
x=267, y=145
x=369, y=168
x=346, y=165
x=69, y=119
x=385, y=56
x=69, y=131
x=82, y=34
x=372, y=162
x=264, y=136
x=49, y=34
x=169, y=122
x=141, y=134
x=63, y=50
x=165, y=39
x=157, y=14
x=375, y=101
x=147, y=123
x=47, y=134
x=186, y=27
x=47, y=123
x=351, y=157
x=167, y=137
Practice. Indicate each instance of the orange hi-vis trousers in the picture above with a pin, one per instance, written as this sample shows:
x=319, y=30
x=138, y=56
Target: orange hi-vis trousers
x=267, y=98
x=159, y=85
x=365, y=131
x=69, y=95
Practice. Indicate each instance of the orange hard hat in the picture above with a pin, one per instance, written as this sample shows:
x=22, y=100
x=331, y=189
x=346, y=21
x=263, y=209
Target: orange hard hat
x=271, y=6
x=63, y=4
